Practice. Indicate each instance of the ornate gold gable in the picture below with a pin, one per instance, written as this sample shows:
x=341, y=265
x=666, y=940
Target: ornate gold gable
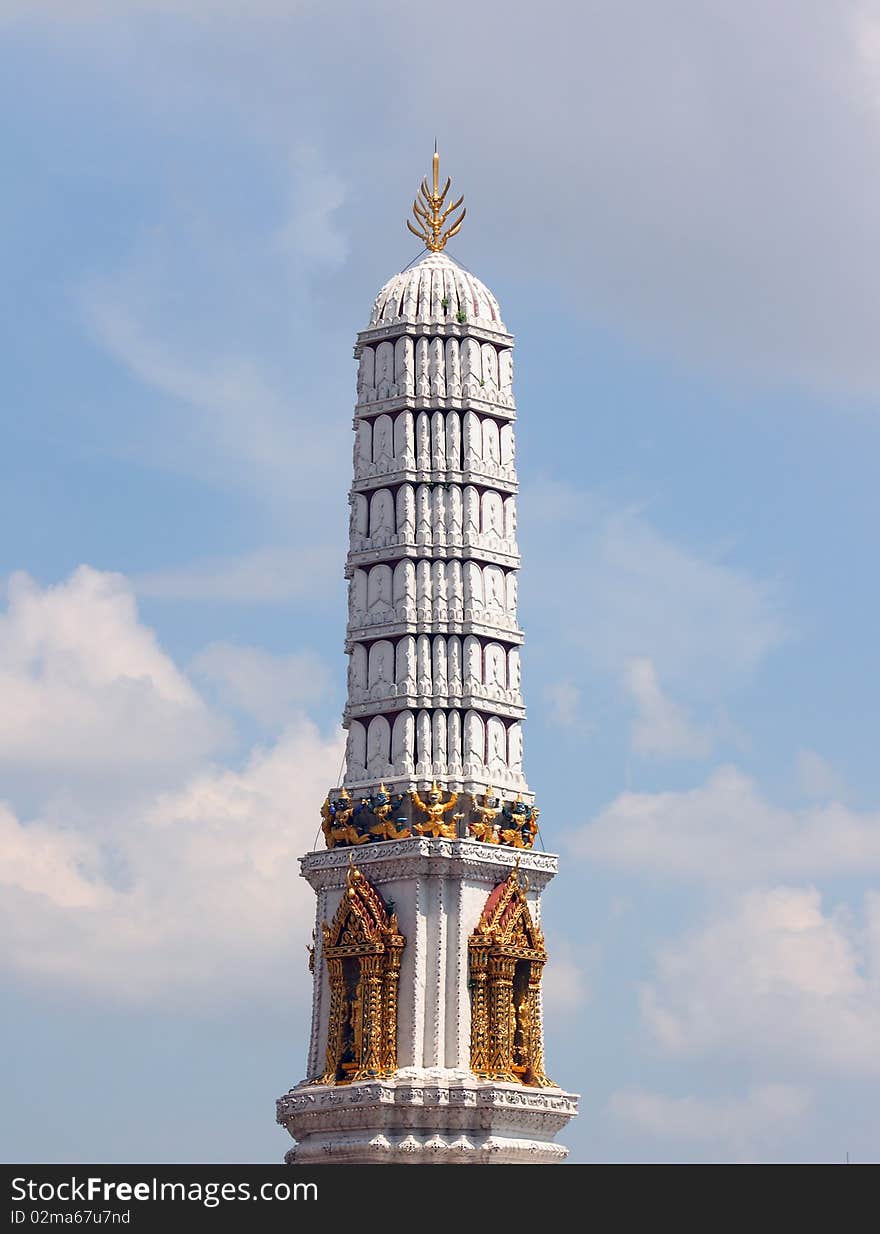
x=507, y=955
x=362, y=949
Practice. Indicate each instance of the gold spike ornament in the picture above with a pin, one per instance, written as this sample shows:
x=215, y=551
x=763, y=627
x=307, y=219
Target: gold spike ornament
x=430, y=215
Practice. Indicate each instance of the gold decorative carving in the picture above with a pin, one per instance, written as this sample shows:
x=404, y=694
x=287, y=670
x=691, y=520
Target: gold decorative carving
x=336, y=821
x=327, y=823
x=362, y=948
x=522, y=823
x=384, y=805
x=386, y=828
x=430, y=216
x=486, y=828
x=435, y=808
x=507, y=955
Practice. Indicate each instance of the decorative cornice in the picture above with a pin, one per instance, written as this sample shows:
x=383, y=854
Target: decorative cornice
x=436, y=402
x=470, y=1105
x=420, y=329
x=348, y=1126
x=396, y=629
x=389, y=859
x=414, y=702
x=393, y=479
x=427, y=1148
x=431, y=552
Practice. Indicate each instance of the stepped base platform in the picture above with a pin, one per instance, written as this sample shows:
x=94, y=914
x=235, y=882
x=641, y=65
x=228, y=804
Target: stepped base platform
x=436, y=1116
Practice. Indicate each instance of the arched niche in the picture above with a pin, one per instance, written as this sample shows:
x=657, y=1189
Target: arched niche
x=506, y=956
x=362, y=948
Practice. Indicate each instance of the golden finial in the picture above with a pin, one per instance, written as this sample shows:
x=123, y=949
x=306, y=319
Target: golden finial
x=430, y=215
x=352, y=876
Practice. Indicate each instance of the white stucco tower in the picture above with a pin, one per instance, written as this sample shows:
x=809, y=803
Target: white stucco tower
x=427, y=1037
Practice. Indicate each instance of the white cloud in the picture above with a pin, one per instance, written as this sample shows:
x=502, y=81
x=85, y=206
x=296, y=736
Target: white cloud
x=660, y=726
x=731, y=193
x=565, y=985
x=274, y=575
x=563, y=699
x=311, y=235
x=255, y=441
x=143, y=873
x=84, y=686
x=76, y=11
x=271, y=688
x=209, y=906
x=866, y=27
x=215, y=313
x=766, y=1109
x=70, y=14
x=773, y=979
x=815, y=775
x=725, y=830
x=631, y=592
x=48, y=863
x=728, y=222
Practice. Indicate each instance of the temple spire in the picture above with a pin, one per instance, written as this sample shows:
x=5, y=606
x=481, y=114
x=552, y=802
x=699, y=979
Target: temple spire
x=428, y=954
x=430, y=214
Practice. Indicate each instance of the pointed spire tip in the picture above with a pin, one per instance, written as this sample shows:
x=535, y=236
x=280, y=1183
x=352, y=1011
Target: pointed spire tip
x=434, y=224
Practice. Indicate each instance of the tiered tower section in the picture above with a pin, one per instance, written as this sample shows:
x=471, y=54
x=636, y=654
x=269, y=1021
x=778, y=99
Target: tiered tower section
x=433, y=638
x=427, y=1023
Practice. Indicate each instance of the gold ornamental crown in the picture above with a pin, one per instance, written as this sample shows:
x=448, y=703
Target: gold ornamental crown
x=430, y=214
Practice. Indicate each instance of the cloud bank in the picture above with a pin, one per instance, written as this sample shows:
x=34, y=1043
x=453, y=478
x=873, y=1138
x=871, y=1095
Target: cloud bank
x=774, y=980
x=148, y=873
x=726, y=831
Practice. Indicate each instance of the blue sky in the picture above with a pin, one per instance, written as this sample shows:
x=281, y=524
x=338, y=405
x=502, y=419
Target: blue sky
x=677, y=211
